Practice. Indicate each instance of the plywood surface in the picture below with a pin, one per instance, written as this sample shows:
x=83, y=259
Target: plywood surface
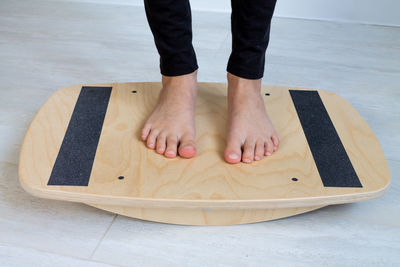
x=206, y=181
x=205, y=216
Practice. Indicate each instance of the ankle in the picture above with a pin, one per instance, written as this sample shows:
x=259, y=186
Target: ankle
x=189, y=78
x=239, y=87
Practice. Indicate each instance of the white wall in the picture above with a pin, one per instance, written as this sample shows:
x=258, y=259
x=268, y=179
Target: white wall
x=380, y=12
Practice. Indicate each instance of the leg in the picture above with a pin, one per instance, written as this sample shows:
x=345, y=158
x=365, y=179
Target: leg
x=171, y=123
x=249, y=128
x=170, y=22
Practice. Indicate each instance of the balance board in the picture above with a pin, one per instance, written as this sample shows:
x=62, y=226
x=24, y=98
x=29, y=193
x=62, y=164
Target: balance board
x=84, y=145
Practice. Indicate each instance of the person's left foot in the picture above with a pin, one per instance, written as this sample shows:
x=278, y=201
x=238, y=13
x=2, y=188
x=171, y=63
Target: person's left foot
x=249, y=127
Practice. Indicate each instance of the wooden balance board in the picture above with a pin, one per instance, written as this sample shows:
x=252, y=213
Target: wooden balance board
x=84, y=146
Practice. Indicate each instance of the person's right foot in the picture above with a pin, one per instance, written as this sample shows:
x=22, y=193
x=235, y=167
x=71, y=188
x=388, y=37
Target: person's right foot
x=170, y=128
x=251, y=135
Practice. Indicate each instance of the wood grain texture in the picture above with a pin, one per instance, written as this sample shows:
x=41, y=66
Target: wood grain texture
x=206, y=181
x=205, y=216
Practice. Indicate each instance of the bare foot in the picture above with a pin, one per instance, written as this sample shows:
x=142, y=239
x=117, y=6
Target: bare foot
x=249, y=128
x=170, y=128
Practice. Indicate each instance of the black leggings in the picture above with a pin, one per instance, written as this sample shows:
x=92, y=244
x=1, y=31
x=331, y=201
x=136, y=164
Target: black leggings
x=171, y=24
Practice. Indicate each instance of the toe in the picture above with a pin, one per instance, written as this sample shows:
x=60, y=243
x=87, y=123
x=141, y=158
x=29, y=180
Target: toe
x=268, y=146
x=233, y=151
x=275, y=141
x=248, y=151
x=187, y=148
x=161, y=143
x=172, y=143
x=259, y=151
x=145, y=131
x=151, y=139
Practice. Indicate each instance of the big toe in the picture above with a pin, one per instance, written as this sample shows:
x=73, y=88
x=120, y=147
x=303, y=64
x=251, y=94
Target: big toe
x=233, y=152
x=187, y=147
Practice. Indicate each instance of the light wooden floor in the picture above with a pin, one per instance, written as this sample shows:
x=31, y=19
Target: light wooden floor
x=46, y=45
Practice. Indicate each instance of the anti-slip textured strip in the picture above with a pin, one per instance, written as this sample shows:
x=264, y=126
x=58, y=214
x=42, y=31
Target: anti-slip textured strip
x=75, y=159
x=333, y=163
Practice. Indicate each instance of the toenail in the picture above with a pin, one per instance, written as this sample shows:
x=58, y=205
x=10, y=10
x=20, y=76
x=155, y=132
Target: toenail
x=233, y=155
x=257, y=158
x=268, y=153
x=247, y=160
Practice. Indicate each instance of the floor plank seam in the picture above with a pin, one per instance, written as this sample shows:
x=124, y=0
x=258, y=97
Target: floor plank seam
x=221, y=45
x=103, y=236
x=7, y=244
x=8, y=162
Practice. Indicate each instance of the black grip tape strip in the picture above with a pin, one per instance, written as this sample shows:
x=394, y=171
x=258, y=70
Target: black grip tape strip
x=333, y=163
x=75, y=159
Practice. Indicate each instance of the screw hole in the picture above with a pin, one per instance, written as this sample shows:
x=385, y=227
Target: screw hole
x=267, y=94
x=121, y=177
x=295, y=179
x=134, y=91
